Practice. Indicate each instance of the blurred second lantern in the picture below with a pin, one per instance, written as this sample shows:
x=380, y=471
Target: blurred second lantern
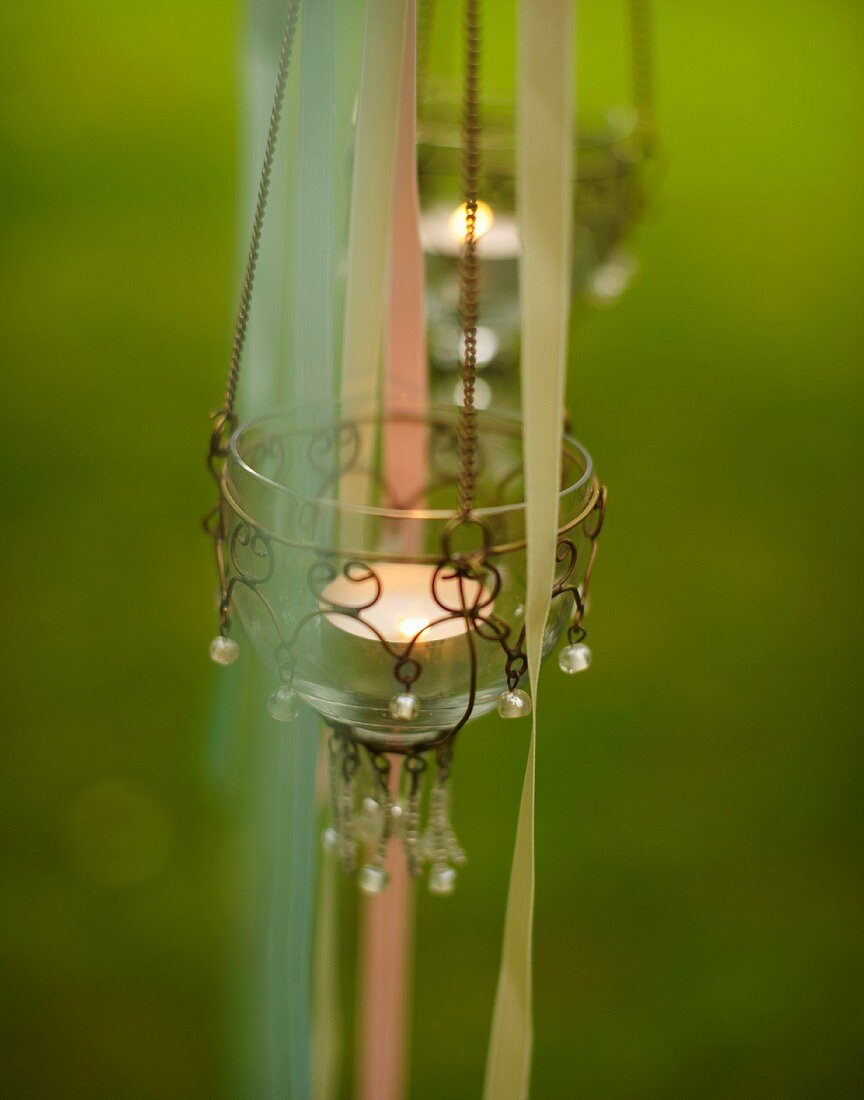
x=608, y=154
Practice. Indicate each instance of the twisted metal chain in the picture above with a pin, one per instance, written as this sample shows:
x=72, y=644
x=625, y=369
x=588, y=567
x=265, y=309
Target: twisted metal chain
x=242, y=322
x=224, y=419
x=641, y=61
x=468, y=265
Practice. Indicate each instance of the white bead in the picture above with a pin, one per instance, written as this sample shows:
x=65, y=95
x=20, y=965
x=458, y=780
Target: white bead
x=373, y=879
x=574, y=658
x=514, y=704
x=404, y=706
x=370, y=805
x=442, y=880
x=397, y=810
x=331, y=840
x=224, y=651
x=283, y=704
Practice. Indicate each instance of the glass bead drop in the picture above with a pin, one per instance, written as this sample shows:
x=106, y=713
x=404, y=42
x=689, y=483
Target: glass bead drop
x=514, y=704
x=373, y=880
x=224, y=651
x=284, y=704
x=442, y=880
x=574, y=658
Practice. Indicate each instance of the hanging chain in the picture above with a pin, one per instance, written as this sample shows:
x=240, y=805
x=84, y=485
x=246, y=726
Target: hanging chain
x=225, y=419
x=242, y=323
x=468, y=265
x=642, y=67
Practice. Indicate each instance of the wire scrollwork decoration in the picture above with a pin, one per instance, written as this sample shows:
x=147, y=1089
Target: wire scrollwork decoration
x=465, y=586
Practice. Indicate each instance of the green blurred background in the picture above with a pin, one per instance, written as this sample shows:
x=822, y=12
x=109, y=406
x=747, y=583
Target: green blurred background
x=700, y=903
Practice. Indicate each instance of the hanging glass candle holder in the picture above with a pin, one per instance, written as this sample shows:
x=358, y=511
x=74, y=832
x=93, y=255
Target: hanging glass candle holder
x=607, y=199
x=393, y=619
x=396, y=607
x=398, y=623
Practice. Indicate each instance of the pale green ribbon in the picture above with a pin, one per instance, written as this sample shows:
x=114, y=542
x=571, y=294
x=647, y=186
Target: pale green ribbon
x=372, y=198
x=326, y=1019
x=295, y=333
x=544, y=175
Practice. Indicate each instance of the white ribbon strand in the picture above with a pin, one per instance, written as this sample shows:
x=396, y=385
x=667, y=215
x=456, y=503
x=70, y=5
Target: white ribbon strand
x=544, y=187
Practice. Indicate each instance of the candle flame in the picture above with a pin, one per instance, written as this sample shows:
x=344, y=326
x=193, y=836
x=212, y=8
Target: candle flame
x=482, y=221
x=411, y=627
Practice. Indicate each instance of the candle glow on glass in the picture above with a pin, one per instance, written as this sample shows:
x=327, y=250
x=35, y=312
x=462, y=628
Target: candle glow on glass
x=483, y=220
x=409, y=627
x=406, y=606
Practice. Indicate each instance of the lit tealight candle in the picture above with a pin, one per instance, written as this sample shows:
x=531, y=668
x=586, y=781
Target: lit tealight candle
x=443, y=231
x=406, y=606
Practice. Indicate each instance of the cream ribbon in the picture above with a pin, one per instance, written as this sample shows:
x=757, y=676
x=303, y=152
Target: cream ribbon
x=544, y=188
